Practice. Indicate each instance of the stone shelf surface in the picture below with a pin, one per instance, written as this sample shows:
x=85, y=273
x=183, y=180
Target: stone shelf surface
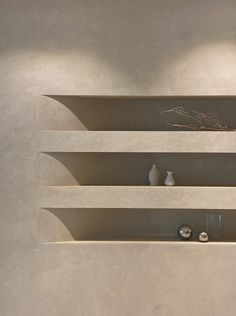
x=148, y=242
x=138, y=197
x=138, y=141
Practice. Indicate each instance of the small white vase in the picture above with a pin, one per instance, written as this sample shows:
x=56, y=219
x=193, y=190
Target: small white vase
x=169, y=181
x=154, y=175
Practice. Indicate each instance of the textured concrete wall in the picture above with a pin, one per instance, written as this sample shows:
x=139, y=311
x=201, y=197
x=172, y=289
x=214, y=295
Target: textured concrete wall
x=115, y=47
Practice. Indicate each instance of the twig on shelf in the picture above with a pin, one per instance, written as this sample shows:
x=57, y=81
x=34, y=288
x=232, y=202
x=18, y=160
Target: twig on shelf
x=198, y=120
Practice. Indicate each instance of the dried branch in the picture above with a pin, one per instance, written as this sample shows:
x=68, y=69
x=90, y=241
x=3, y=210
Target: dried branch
x=197, y=120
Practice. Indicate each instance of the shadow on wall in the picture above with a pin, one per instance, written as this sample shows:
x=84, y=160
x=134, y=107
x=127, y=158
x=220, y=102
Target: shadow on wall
x=125, y=46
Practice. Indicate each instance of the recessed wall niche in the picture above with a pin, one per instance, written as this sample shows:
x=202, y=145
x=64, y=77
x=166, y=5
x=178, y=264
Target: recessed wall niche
x=132, y=168
x=99, y=142
x=65, y=225
x=130, y=113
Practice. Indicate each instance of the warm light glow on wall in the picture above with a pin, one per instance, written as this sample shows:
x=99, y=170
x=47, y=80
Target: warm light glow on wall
x=209, y=68
x=206, y=69
x=64, y=72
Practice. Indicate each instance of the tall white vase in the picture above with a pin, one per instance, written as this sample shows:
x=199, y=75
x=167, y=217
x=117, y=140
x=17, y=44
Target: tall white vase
x=169, y=181
x=154, y=175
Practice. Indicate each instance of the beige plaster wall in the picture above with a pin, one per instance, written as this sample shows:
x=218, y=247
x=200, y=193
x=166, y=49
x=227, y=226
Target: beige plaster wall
x=105, y=47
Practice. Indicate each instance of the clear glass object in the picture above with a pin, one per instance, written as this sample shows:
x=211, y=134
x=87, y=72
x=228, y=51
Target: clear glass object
x=213, y=226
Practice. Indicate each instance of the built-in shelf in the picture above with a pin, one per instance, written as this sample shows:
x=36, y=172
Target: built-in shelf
x=137, y=141
x=127, y=242
x=96, y=153
x=141, y=96
x=204, y=198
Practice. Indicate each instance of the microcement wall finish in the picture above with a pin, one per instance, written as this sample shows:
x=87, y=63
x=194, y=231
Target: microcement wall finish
x=105, y=47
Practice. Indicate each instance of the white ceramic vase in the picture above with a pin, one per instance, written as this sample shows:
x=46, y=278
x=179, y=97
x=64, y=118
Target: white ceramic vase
x=169, y=181
x=154, y=175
